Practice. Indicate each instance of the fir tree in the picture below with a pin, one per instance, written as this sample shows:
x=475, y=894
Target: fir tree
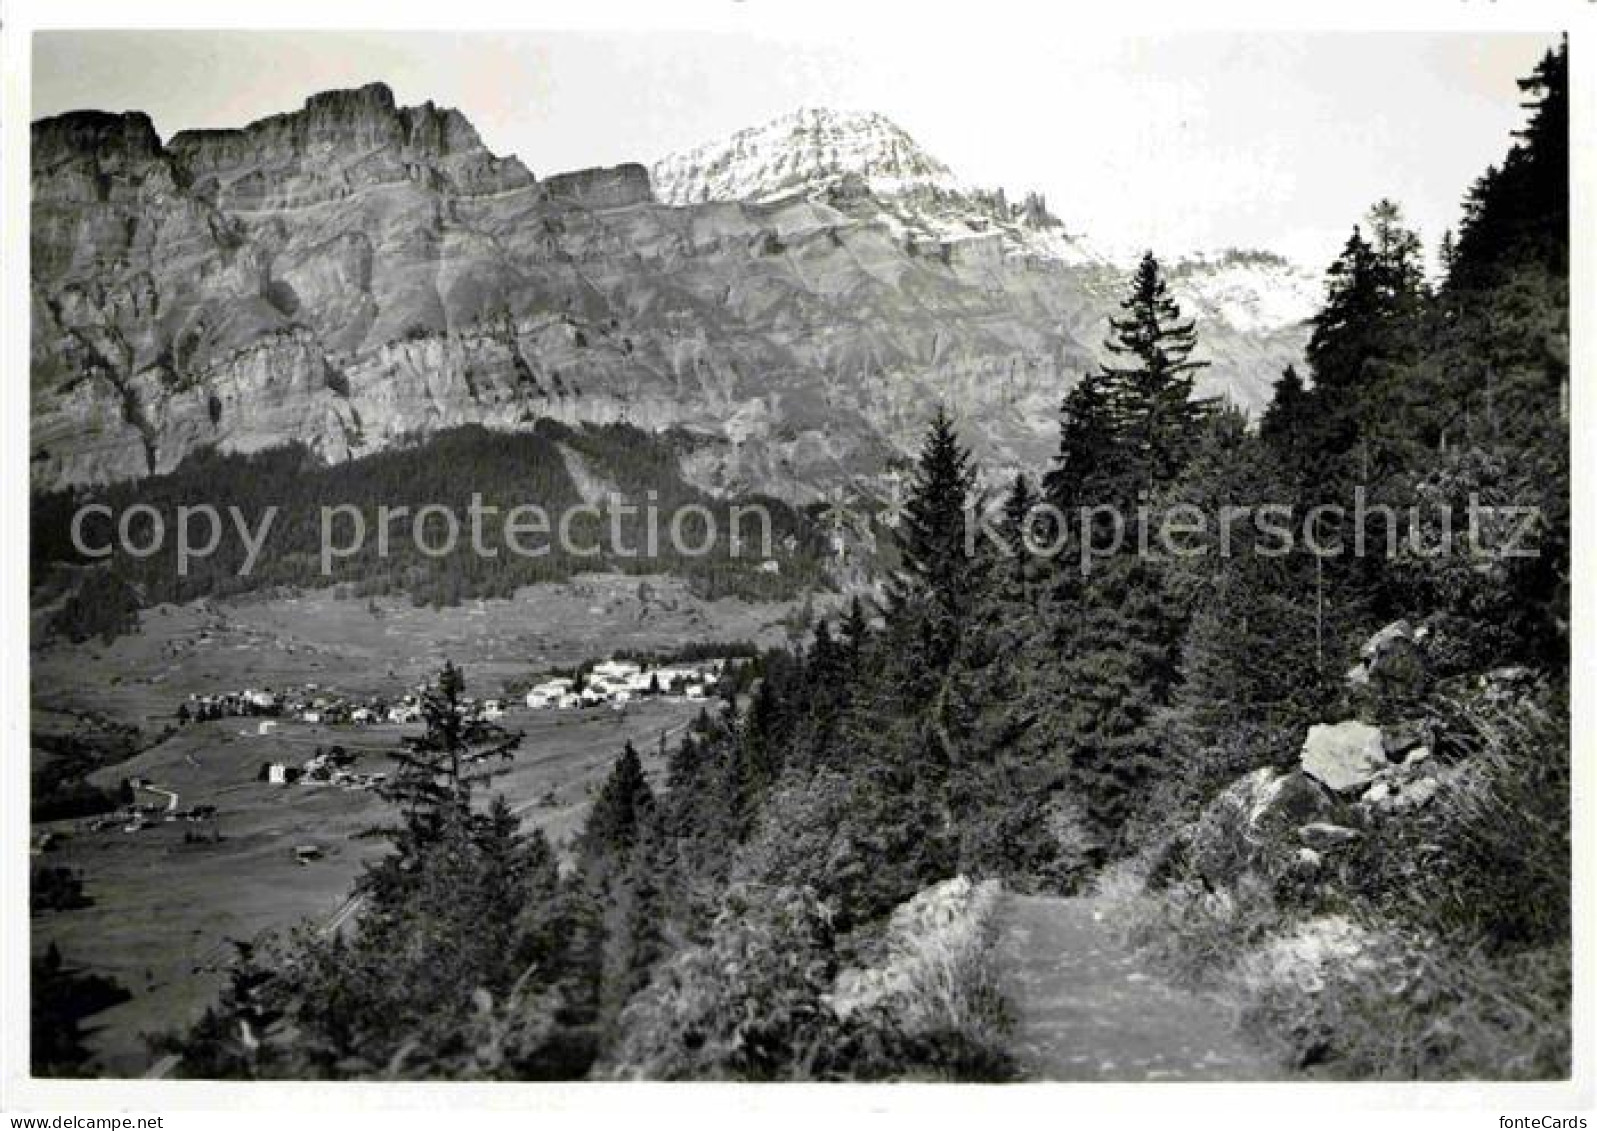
x=1087, y=466
x=937, y=579
x=616, y=821
x=1287, y=423
x=432, y=787
x=1151, y=402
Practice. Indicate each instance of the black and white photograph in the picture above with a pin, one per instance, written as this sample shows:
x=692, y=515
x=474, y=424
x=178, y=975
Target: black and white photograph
x=942, y=551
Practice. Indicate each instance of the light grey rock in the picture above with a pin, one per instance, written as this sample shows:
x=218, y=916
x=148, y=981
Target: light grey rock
x=1322, y=835
x=1398, y=632
x=1343, y=756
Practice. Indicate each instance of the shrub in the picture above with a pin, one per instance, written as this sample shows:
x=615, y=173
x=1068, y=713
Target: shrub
x=1402, y=1005
x=745, y=1005
x=934, y=989
x=54, y=888
x=1489, y=860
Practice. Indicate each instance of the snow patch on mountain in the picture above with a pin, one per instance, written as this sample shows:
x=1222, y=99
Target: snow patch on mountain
x=806, y=150
x=1254, y=291
x=871, y=169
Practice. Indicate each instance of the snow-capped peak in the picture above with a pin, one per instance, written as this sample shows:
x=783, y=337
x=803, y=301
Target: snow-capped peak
x=1252, y=290
x=806, y=150
x=838, y=156
x=841, y=156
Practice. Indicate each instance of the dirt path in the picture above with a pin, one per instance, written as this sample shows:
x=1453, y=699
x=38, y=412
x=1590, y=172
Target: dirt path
x=1086, y=1009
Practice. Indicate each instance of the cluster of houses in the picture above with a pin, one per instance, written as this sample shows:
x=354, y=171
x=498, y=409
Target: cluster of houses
x=331, y=767
x=618, y=682
x=607, y=683
x=312, y=704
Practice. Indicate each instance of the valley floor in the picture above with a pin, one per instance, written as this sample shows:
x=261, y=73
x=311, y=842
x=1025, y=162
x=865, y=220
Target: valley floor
x=163, y=908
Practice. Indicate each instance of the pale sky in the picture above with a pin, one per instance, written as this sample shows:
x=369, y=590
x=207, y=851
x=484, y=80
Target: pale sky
x=1180, y=142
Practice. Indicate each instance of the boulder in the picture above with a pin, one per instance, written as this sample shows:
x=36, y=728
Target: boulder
x=1417, y=793
x=1286, y=802
x=1401, y=790
x=1314, y=952
x=1308, y=860
x=1344, y=756
x=1395, y=634
x=1399, y=738
x=1256, y=811
x=1322, y=835
x=1393, y=657
x=1501, y=684
x=1417, y=755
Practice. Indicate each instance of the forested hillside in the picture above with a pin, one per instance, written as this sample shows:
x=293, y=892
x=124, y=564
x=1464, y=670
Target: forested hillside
x=1263, y=757
x=620, y=465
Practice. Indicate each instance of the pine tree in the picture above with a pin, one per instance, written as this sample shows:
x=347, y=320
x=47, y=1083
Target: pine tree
x=856, y=636
x=1151, y=399
x=1087, y=468
x=937, y=579
x=1287, y=423
x=1518, y=212
x=1366, y=400
x=1251, y=675
x=433, y=785
x=615, y=823
x=1337, y=343
x=1021, y=573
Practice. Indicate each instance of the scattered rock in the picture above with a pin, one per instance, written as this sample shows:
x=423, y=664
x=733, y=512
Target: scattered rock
x=1394, y=634
x=1417, y=755
x=1344, y=756
x=1308, y=860
x=1507, y=682
x=1417, y=794
x=1323, y=835
x=1395, y=656
x=1399, y=738
x=1310, y=953
x=1399, y=793
x=1286, y=801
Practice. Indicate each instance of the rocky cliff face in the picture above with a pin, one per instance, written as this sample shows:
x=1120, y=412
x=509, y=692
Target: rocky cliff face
x=355, y=273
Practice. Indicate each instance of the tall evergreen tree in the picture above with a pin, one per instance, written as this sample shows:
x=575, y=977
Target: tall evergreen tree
x=1287, y=420
x=1088, y=467
x=433, y=785
x=938, y=577
x=620, y=811
x=1518, y=211
x=1151, y=396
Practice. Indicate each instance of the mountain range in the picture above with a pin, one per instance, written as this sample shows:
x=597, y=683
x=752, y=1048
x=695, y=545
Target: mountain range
x=356, y=275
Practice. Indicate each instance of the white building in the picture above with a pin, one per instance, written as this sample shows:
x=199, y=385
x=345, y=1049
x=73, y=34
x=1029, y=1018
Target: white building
x=549, y=693
x=614, y=670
